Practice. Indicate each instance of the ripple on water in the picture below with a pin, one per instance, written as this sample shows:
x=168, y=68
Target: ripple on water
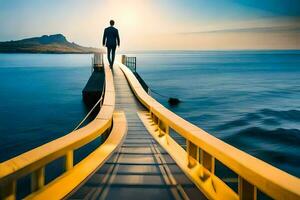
x=265, y=117
x=276, y=146
x=291, y=115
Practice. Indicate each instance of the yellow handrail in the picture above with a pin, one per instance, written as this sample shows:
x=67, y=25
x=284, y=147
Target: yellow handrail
x=198, y=160
x=35, y=160
x=60, y=188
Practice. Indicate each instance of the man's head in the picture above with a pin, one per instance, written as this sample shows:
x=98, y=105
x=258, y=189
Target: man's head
x=112, y=22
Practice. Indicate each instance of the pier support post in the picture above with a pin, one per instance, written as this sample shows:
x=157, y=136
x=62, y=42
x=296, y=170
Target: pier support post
x=37, y=179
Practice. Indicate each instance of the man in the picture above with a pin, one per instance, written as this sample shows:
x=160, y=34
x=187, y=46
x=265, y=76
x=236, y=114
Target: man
x=111, y=39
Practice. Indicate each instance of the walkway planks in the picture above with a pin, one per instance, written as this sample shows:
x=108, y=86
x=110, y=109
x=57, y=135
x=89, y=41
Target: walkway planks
x=141, y=169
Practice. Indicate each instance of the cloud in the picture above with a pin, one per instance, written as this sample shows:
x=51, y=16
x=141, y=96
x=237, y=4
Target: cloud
x=271, y=29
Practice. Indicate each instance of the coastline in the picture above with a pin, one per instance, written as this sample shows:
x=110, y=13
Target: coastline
x=50, y=52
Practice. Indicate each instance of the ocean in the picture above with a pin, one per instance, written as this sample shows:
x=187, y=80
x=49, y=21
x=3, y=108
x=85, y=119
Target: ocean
x=249, y=99
x=40, y=99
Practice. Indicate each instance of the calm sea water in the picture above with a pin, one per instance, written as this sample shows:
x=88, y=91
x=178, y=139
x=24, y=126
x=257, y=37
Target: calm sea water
x=40, y=99
x=250, y=99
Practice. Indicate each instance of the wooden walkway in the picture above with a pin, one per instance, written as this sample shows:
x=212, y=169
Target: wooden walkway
x=140, y=169
x=134, y=164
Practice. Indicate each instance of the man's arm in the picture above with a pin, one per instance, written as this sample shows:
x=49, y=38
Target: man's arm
x=118, y=38
x=104, y=38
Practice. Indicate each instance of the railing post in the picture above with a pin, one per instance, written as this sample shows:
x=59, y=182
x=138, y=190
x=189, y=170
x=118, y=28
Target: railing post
x=167, y=132
x=69, y=160
x=162, y=127
x=247, y=191
x=167, y=129
x=155, y=119
x=207, y=161
x=123, y=59
x=160, y=133
x=8, y=191
x=192, y=153
x=92, y=67
x=37, y=179
x=134, y=64
x=102, y=63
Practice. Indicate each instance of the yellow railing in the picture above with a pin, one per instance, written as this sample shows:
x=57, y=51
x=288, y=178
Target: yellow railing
x=65, y=184
x=198, y=159
x=34, y=161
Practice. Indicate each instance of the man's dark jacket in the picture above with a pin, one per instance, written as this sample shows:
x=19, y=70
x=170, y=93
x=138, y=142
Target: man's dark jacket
x=111, y=37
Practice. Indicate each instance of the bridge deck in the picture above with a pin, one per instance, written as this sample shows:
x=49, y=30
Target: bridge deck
x=140, y=169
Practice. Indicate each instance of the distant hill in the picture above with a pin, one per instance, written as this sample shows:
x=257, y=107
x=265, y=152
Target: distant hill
x=46, y=44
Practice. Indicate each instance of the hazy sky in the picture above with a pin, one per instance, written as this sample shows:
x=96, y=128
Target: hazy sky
x=159, y=24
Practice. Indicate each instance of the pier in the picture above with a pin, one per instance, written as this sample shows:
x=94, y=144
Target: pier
x=94, y=87
x=150, y=153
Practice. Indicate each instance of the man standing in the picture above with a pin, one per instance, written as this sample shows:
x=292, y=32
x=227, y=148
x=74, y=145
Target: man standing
x=111, y=39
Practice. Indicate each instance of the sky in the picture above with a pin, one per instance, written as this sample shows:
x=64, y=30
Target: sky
x=159, y=24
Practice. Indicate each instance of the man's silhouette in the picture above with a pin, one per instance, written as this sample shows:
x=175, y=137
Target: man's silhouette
x=111, y=39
